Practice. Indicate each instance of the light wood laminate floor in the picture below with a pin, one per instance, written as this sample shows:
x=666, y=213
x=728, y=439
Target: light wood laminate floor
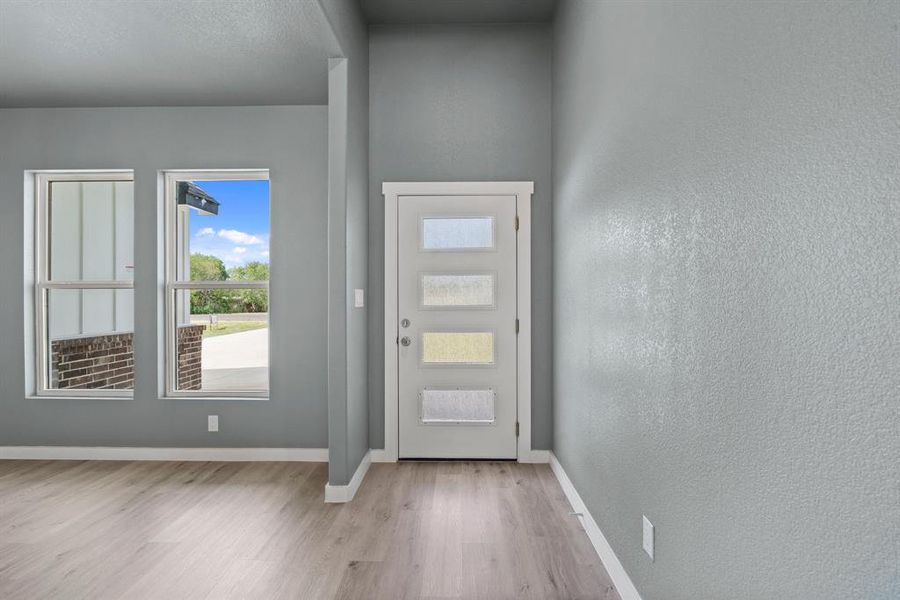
x=168, y=530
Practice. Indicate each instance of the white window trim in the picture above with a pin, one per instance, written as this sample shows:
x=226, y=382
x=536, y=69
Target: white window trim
x=42, y=283
x=522, y=190
x=172, y=177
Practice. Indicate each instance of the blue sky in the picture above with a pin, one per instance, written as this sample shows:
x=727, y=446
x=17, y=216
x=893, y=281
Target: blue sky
x=240, y=232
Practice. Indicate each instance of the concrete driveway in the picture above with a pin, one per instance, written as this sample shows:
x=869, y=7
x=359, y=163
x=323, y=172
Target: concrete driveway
x=237, y=361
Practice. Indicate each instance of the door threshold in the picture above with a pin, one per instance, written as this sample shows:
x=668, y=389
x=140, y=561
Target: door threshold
x=409, y=459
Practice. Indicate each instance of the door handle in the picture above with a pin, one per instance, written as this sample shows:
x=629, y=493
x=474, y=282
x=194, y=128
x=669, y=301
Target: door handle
x=405, y=341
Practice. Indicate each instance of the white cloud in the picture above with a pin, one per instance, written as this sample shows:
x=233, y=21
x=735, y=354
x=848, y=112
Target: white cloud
x=231, y=260
x=233, y=254
x=239, y=237
x=206, y=232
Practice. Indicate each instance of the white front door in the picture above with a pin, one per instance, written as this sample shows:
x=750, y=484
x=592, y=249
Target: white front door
x=456, y=299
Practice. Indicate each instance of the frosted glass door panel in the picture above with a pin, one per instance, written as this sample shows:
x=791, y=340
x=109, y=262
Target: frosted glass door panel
x=457, y=290
x=451, y=347
x=457, y=233
x=457, y=406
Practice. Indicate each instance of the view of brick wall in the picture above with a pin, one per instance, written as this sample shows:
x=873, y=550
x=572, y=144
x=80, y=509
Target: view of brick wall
x=97, y=362
x=190, y=357
x=107, y=361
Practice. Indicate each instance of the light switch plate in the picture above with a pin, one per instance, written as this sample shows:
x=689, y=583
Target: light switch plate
x=648, y=538
x=212, y=422
x=359, y=298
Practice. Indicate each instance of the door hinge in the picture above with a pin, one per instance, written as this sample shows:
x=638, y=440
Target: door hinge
x=517, y=222
x=517, y=429
x=517, y=326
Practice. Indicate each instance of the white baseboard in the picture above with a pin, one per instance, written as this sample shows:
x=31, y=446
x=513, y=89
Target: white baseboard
x=345, y=493
x=379, y=455
x=616, y=571
x=540, y=457
x=173, y=454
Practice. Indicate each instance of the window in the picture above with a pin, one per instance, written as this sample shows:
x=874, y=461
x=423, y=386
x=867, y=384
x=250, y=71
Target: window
x=217, y=284
x=84, y=279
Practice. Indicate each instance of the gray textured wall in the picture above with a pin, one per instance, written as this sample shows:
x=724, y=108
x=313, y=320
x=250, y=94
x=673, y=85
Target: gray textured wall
x=290, y=141
x=349, y=408
x=338, y=311
x=457, y=103
x=727, y=296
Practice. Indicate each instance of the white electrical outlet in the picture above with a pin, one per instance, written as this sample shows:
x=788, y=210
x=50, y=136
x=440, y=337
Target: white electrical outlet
x=359, y=298
x=212, y=422
x=648, y=537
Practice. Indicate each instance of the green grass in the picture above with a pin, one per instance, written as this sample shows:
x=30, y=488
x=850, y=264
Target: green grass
x=227, y=327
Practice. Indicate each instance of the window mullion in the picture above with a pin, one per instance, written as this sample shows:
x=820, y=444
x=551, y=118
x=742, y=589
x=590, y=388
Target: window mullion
x=86, y=285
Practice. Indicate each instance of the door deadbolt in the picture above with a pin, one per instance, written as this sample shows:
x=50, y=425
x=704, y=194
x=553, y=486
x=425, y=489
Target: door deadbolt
x=404, y=323
x=405, y=341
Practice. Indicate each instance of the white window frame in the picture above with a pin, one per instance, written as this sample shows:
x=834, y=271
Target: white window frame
x=172, y=283
x=43, y=284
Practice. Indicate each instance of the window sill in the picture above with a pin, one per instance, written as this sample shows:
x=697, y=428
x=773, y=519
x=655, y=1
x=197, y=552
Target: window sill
x=78, y=397
x=193, y=397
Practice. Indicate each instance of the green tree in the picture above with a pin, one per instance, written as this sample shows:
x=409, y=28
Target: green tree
x=252, y=271
x=253, y=300
x=208, y=268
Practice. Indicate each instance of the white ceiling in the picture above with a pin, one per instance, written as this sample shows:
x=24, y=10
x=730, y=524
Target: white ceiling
x=457, y=11
x=163, y=52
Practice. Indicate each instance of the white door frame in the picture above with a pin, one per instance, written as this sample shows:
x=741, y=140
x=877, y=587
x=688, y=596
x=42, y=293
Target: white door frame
x=523, y=191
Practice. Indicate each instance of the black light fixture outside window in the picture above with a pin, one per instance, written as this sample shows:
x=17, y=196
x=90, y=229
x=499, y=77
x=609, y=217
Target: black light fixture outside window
x=192, y=196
